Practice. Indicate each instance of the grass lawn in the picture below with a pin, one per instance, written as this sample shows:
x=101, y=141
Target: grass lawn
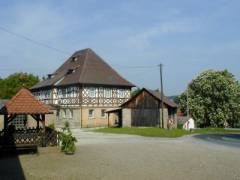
x=157, y=132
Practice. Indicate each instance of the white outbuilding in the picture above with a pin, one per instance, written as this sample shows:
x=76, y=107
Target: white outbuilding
x=189, y=124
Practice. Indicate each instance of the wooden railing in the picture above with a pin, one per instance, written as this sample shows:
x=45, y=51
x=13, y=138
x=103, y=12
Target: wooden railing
x=30, y=136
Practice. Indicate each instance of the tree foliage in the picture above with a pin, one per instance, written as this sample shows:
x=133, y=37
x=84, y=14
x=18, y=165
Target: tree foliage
x=11, y=84
x=135, y=91
x=214, y=99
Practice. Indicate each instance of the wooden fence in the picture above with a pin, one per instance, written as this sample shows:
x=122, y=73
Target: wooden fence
x=30, y=136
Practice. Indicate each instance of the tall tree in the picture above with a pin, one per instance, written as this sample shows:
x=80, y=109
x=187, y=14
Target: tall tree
x=214, y=99
x=11, y=84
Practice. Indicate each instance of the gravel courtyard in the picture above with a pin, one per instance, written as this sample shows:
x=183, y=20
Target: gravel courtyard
x=110, y=157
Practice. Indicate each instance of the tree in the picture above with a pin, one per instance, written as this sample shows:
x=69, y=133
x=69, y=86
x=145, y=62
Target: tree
x=11, y=84
x=214, y=99
x=135, y=91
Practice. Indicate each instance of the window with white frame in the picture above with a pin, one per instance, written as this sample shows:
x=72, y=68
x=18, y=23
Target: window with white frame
x=69, y=113
x=103, y=113
x=59, y=93
x=92, y=92
x=63, y=113
x=74, y=91
x=91, y=113
x=121, y=93
x=64, y=93
x=107, y=93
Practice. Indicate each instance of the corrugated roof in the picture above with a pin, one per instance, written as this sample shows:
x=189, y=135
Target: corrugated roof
x=84, y=67
x=24, y=103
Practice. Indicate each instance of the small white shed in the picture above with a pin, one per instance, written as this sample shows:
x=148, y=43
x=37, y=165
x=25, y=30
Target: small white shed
x=189, y=124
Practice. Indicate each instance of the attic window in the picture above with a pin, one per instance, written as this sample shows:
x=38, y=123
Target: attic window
x=70, y=71
x=50, y=76
x=74, y=59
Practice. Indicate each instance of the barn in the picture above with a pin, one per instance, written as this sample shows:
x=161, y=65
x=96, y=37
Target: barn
x=144, y=110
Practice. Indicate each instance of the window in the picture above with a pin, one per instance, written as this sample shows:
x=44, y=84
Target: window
x=92, y=92
x=63, y=113
x=91, y=113
x=74, y=59
x=103, y=113
x=121, y=93
x=107, y=93
x=64, y=92
x=19, y=121
x=69, y=113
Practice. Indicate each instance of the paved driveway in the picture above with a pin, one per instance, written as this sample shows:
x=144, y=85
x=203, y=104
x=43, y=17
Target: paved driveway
x=118, y=157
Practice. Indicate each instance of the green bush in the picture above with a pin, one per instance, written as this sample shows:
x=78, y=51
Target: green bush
x=180, y=125
x=52, y=126
x=67, y=140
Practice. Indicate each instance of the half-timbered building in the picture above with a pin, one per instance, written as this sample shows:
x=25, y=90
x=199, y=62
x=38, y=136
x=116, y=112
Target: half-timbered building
x=82, y=89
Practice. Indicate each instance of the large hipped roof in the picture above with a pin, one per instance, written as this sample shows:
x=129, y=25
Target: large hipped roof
x=84, y=67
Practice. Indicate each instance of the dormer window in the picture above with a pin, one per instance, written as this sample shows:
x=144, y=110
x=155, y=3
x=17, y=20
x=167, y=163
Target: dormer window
x=74, y=59
x=50, y=76
x=70, y=71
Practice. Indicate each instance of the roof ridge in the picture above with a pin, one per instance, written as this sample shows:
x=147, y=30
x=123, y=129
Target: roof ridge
x=84, y=64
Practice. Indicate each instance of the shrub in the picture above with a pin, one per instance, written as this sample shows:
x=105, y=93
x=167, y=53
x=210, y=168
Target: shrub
x=67, y=140
x=52, y=126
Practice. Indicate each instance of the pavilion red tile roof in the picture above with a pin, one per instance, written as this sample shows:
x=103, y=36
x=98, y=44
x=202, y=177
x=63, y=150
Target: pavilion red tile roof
x=24, y=102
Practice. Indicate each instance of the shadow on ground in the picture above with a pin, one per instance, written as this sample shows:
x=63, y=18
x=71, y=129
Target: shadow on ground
x=10, y=165
x=222, y=139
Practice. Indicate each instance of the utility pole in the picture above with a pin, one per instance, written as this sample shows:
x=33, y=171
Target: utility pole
x=161, y=83
x=188, y=101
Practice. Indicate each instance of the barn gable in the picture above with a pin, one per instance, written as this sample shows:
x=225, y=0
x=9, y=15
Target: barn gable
x=146, y=98
x=144, y=109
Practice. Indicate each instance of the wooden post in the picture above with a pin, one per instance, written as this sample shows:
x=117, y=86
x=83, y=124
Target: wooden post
x=5, y=121
x=38, y=123
x=44, y=130
x=162, y=106
x=108, y=119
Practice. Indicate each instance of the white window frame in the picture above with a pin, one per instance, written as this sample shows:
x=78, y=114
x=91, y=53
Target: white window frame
x=91, y=115
x=92, y=92
x=105, y=114
x=121, y=93
x=63, y=113
x=64, y=93
x=107, y=93
x=69, y=113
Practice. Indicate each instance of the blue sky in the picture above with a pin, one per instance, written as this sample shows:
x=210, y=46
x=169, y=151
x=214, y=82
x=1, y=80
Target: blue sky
x=187, y=36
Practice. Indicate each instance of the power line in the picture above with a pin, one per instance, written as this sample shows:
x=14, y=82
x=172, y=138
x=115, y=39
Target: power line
x=32, y=40
x=134, y=67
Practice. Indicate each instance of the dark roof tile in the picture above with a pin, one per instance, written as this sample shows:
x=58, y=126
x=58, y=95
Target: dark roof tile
x=84, y=67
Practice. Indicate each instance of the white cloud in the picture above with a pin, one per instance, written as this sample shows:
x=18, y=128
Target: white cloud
x=144, y=38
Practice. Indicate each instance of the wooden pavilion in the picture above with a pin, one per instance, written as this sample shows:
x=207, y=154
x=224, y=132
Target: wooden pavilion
x=24, y=103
